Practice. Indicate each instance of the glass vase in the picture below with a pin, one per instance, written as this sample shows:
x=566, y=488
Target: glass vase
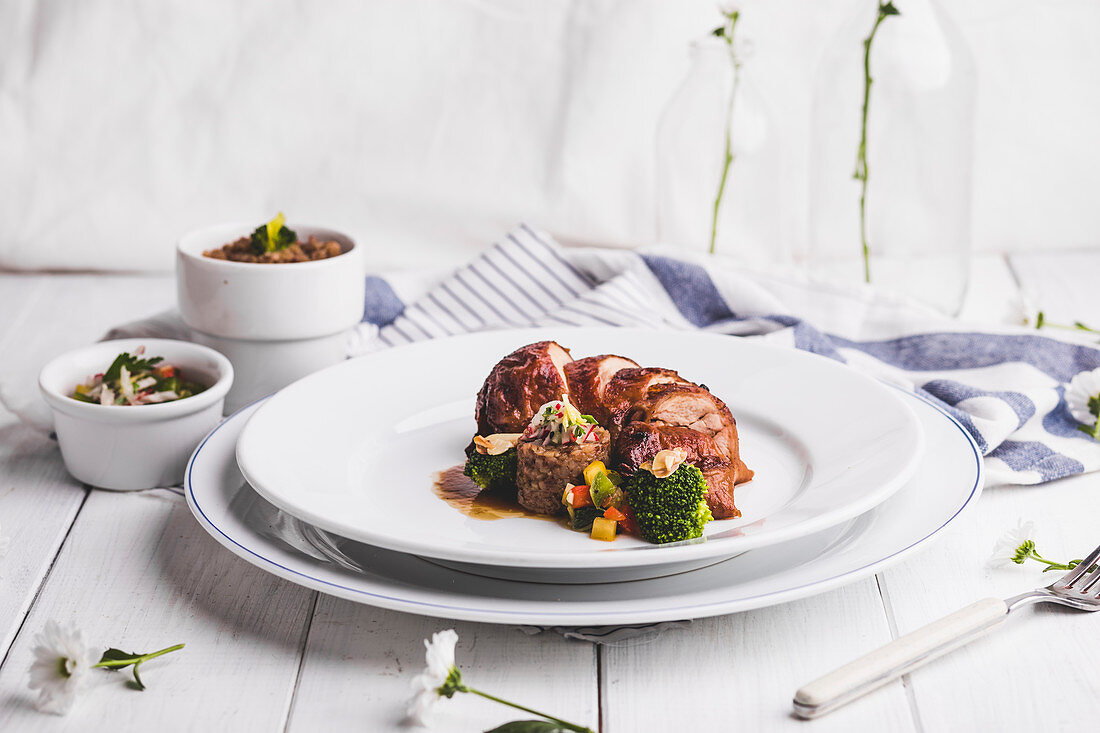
x=691, y=150
x=912, y=211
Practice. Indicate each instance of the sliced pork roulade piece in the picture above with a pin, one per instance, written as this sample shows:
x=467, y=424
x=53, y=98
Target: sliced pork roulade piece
x=630, y=386
x=521, y=382
x=721, y=479
x=691, y=406
x=588, y=378
x=639, y=442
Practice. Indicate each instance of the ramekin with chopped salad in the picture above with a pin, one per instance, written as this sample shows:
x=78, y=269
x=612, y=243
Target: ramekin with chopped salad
x=134, y=380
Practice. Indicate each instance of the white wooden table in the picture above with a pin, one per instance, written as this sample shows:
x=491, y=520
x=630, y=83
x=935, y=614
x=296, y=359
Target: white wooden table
x=135, y=571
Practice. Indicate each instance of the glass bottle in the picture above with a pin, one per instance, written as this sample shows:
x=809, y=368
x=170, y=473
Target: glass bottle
x=691, y=144
x=919, y=155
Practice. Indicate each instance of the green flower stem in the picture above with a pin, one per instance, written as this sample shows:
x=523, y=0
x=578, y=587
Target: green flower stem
x=1051, y=564
x=726, y=33
x=1042, y=322
x=1093, y=432
x=551, y=718
x=112, y=663
x=861, y=173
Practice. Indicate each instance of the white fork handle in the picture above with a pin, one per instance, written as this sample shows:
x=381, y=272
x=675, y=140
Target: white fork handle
x=899, y=657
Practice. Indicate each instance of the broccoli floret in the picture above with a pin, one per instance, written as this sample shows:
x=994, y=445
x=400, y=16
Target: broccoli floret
x=491, y=472
x=273, y=236
x=669, y=509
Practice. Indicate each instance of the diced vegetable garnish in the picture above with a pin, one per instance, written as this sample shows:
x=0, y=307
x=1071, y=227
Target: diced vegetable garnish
x=628, y=523
x=592, y=469
x=581, y=497
x=614, y=514
x=604, y=529
x=583, y=517
x=602, y=491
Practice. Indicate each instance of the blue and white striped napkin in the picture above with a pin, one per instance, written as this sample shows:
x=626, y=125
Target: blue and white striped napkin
x=1005, y=387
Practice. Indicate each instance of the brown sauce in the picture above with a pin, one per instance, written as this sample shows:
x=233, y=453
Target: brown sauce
x=475, y=502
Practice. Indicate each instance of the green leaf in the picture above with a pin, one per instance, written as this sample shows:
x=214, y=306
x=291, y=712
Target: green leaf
x=720, y=31
x=132, y=363
x=888, y=9
x=529, y=726
x=117, y=659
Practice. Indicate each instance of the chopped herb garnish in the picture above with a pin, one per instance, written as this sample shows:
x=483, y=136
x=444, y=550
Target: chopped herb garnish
x=133, y=363
x=134, y=380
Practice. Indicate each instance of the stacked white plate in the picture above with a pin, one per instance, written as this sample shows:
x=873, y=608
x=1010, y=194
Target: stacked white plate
x=329, y=483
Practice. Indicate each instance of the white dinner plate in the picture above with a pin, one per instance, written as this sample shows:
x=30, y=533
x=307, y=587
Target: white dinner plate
x=946, y=481
x=354, y=449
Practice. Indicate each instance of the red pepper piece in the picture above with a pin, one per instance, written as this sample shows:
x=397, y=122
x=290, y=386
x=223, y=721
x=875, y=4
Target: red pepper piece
x=628, y=523
x=614, y=514
x=581, y=497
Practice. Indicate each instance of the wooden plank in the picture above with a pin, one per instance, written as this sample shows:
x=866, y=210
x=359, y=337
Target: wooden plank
x=68, y=311
x=739, y=672
x=992, y=296
x=38, y=500
x=18, y=296
x=360, y=661
x=137, y=572
x=1063, y=285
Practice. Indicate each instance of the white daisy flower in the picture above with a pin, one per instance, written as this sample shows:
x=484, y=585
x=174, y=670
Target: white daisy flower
x=1083, y=387
x=1014, y=546
x=440, y=659
x=62, y=663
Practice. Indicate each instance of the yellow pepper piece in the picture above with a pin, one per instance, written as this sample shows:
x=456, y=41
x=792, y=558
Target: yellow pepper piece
x=275, y=226
x=592, y=469
x=604, y=529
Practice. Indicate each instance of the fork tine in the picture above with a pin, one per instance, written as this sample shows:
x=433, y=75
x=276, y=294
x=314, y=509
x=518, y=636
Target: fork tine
x=1067, y=580
x=1088, y=581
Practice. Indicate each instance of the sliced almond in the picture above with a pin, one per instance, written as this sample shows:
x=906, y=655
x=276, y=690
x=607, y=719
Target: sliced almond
x=496, y=443
x=665, y=463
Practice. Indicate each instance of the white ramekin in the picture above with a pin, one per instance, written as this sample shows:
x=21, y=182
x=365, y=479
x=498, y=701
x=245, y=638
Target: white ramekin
x=140, y=446
x=268, y=302
x=276, y=322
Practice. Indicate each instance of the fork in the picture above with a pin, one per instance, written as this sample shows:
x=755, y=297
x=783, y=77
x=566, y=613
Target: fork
x=1079, y=588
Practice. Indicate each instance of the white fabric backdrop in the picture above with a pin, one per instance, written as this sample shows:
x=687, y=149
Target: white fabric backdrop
x=427, y=127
